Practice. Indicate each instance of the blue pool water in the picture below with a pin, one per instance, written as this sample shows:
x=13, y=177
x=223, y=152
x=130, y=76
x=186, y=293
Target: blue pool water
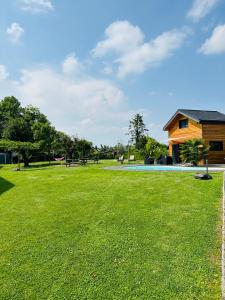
x=163, y=168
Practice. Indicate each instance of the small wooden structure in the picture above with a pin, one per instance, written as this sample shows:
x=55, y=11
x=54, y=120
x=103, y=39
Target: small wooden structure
x=5, y=157
x=188, y=124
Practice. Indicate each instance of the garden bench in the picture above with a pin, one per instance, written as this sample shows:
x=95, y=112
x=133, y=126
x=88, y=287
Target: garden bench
x=121, y=159
x=81, y=161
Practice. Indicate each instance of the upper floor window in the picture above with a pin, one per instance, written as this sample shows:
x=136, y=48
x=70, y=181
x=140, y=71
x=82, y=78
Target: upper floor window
x=216, y=146
x=183, y=123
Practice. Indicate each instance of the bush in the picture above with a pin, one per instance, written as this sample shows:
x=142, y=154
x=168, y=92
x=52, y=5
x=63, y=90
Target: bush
x=193, y=151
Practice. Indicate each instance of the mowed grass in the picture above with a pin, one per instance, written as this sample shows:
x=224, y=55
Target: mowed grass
x=89, y=233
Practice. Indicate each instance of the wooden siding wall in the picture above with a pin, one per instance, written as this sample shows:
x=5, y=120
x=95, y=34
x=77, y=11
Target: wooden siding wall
x=179, y=135
x=215, y=132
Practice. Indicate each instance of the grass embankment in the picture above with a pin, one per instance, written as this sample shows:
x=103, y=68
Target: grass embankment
x=88, y=233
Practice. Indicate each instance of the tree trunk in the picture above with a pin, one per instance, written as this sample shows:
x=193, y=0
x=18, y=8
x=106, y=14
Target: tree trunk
x=25, y=159
x=26, y=162
x=18, y=163
x=49, y=158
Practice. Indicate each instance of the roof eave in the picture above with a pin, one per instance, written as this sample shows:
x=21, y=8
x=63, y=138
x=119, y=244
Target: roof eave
x=212, y=122
x=166, y=127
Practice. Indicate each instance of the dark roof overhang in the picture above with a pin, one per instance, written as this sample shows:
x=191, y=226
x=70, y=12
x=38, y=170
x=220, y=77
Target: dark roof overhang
x=199, y=116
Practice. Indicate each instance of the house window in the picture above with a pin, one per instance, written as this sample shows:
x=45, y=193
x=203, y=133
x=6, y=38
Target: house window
x=216, y=146
x=183, y=123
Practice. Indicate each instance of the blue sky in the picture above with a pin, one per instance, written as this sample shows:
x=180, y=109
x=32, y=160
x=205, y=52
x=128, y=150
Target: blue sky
x=91, y=65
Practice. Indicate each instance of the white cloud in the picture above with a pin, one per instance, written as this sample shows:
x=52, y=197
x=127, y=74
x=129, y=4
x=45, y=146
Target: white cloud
x=57, y=93
x=3, y=73
x=216, y=43
x=120, y=37
x=107, y=70
x=201, y=8
x=36, y=6
x=15, y=32
x=151, y=54
x=71, y=65
x=92, y=108
x=133, y=55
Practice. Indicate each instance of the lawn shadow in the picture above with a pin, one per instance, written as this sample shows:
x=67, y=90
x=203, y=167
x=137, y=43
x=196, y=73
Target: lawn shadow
x=42, y=165
x=5, y=185
x=28, y=169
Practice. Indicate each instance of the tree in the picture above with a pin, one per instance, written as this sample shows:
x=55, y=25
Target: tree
x=32, y=115
x=44, y=134
x=83, y=147
x=9, y=109
x=155, y=149
x=137, y=130
x=17, y=130
x=193, y=151
x=107, y=152
x=95, y=152
x=19, y=147
x=120, y=149
x=20, y=124
x=63, y=144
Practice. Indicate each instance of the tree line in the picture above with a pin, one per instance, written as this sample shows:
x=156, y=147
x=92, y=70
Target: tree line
x=27, y=132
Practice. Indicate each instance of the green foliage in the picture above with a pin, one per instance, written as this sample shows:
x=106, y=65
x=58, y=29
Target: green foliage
x=25, y=125
x=82, y=147
x=63, y=145
x=120, y=149
x=17, y=130
x=95, y=152
x=45, y=134
x=9, y=109
x=33, y=115
x=143, y=144
x=193, y=151
x=137, y=131
x=155, y=149
x=107, y=152
x=18, y=145
x=21, y=148
x=71, y=147
x=138, y=154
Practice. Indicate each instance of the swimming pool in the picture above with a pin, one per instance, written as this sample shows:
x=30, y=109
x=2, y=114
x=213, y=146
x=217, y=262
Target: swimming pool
x=168, y=168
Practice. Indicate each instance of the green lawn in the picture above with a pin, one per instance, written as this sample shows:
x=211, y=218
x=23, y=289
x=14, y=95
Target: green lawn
x=88, y=233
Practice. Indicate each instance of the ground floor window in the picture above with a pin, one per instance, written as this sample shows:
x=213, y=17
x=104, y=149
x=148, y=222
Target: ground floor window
x=216, y=146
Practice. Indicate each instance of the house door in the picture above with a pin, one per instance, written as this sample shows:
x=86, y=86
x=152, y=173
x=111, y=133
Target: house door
x=176, y=153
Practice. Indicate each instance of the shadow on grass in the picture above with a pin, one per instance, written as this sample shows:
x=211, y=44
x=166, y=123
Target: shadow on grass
x=35, y=169
x=5, y=185
x=41, y=165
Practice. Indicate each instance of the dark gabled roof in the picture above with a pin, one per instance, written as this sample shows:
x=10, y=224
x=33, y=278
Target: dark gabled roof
x=200, y=116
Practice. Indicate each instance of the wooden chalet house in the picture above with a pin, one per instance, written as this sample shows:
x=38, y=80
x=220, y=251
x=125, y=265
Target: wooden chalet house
x=188, y=124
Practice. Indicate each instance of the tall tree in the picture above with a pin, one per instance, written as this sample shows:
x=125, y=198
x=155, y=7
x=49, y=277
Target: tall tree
x=83, y=147
x=63, y=145
x=44, y=134
x=137, y=130
x=10, y=108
